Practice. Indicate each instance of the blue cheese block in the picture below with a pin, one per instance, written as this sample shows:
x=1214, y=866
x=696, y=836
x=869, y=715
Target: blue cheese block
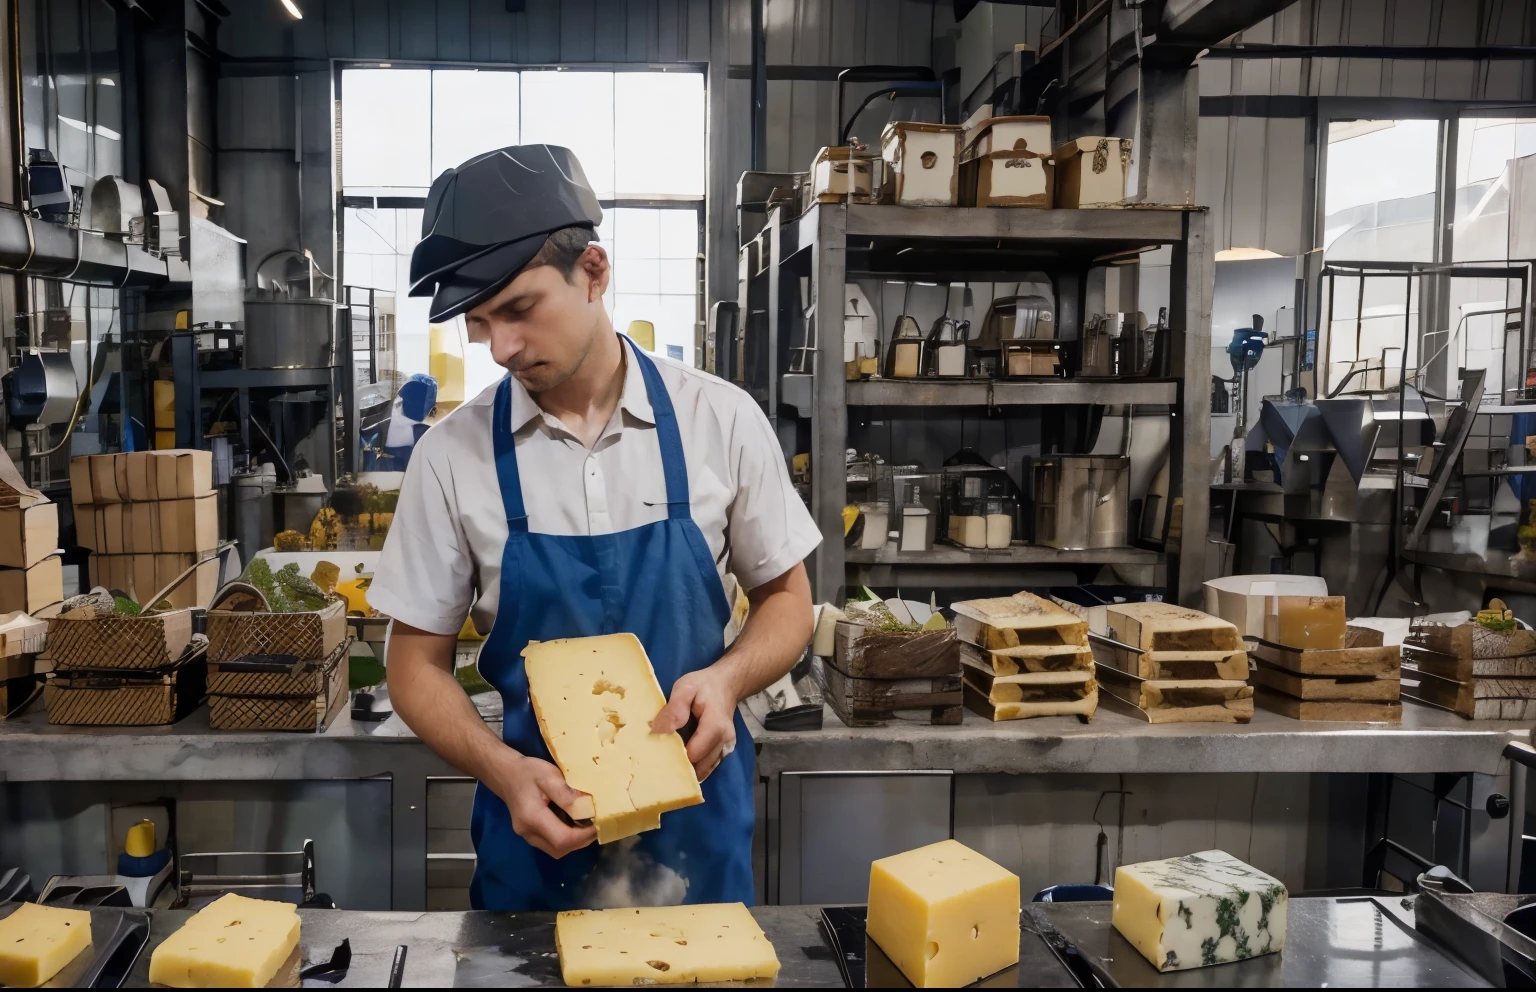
x=1201, y=909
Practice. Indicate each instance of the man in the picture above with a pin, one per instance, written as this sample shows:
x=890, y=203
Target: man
x=594, y=490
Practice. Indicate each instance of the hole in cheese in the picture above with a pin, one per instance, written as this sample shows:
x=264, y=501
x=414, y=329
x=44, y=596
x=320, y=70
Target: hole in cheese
x=609, y=726
x=660, y=965
x=680, y=943
x=975, y=932
x=603, y=685
x=933, y=950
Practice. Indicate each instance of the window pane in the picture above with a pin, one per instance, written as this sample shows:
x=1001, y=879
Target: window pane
x=637, y=275
x=386, y=127
x=679, y=233
x=1495, y=160
x=636, y=231
x=1380, y=196
x=472, y=112
x=678, y=275
x=674, y=325
x=658, y=124
x=574, y=109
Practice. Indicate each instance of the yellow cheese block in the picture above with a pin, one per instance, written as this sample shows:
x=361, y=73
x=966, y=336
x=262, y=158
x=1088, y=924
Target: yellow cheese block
x=663, y=945
x=1307, y=623
x=944, y=914
x=36, y=942
x=595, y=698
x=233, y=942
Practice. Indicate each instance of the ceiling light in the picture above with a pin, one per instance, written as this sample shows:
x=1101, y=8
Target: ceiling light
x=1244, y=254
x=293, y=10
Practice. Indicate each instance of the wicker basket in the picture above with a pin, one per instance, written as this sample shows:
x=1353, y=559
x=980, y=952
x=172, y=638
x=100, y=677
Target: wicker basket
x=311, y=636
x=139, y=643
x=118, y=698
x=306, y=700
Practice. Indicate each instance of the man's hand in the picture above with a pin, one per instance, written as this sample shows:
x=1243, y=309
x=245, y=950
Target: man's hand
x=528, y=785
x=708, y=695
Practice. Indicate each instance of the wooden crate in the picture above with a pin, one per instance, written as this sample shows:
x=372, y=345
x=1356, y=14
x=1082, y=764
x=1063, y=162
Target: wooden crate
x=1028, y=658
x=126, y=698
x=1465, y=668
x=863, y=652
x=1178, y=700
x=1365, y=656
x=305, y=700
x=83, y=640
x=1030, y=694
x=874, y=702
x=1379, y=687
x=1179, y=665
x=1340, y=710
x=1476, y=698
x=1015, y=621
x=309, y=636
x=1470, y=640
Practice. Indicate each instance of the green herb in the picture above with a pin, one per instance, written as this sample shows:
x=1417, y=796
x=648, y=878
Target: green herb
x=124, y=607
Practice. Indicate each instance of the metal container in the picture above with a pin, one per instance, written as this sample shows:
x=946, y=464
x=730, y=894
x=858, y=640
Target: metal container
x=255, y=518
x=290, y=334
x=1082, y=501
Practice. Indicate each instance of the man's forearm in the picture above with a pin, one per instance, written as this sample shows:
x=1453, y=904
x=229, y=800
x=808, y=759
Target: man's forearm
x=777, y=630
x=436, y=708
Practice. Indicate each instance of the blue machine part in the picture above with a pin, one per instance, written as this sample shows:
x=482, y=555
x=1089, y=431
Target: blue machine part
x=418, y=395
x=1246, y=347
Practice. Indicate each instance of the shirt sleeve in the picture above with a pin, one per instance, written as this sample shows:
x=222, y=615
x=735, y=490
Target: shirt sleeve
x=770, y=528
x=425, y=576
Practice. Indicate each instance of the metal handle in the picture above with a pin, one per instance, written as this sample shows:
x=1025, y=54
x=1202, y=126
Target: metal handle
x=1521, y=753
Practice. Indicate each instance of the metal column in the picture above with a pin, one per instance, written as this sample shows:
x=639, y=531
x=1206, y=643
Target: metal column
x=1189, y=450
x=829, y=417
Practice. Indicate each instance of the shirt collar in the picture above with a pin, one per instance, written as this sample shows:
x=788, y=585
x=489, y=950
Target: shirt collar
x=634, y=400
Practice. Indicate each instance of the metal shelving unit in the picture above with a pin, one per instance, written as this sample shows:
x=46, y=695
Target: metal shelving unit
x=828, y=241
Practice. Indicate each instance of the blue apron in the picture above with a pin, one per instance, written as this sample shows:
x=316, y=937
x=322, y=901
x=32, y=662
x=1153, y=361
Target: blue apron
x=658, y=582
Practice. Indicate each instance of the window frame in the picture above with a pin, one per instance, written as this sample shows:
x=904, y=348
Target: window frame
x=1433, y=295
x=698, y=203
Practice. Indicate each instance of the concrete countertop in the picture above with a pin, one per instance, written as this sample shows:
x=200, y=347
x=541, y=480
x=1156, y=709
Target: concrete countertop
x=1428, y=740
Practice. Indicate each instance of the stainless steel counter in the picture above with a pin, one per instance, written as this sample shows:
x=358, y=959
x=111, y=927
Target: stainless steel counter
x=1427, y=741
x=1345, y=942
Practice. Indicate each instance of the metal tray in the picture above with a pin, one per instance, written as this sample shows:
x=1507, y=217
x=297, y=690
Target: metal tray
x=118, y=937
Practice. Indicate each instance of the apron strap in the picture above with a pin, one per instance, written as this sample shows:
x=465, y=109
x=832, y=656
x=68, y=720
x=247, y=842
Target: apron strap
x=507, y=476
x=673, y=462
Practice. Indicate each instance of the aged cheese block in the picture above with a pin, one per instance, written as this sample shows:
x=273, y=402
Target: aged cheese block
x=1206, y=908
x=1166, y=627
x=233, y=942
x=944, y=914
x=1020, y=619
x=1029, y=658
x=595, y=698
x=1307, y=622
x=662, y=945
x=36, y=942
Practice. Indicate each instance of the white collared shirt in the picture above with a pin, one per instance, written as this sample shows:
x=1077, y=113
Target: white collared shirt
x=442, y=558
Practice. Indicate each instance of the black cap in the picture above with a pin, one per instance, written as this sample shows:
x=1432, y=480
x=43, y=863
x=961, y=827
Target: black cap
x=485, y=220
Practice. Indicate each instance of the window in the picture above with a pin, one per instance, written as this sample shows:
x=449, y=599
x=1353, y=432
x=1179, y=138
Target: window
x=1495, y=163
x=1380, y=197
x=640, y=138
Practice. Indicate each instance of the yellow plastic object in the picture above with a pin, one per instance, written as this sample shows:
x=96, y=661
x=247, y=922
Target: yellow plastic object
x=183, y=320
x=325, y=575
x=165, y=440
x=850, y=517
x=644, y=334
x=468, y=631
x=165, y=404
x=355, y=592
x=800, y=467
x=140, y=842
x=446, y=365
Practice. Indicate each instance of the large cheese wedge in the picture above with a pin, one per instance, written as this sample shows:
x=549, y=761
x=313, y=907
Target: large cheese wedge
x=595, y=698
x=1206, y=908
x=233, y=942
x=944, y=914
x=663, y=945
x=36, y=942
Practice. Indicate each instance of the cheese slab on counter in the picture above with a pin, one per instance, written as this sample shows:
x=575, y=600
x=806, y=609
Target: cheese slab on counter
x=1201, y=909
x=233, y=942
x=36, y=942
x=663, y=945
x=944, y=914
x=595, y=698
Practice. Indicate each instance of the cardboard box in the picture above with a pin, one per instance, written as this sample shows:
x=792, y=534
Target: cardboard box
x=197, y=589
x=145, y=580
x=189, y=524
x=85, y=525
x=141, y=524
x=141, y=475
x=120, y=473
x=1092, y=172
x=104, y=479
x=27, y=536
x=113, y=525
x=31, y=589
x=80, y=479
x=183, y=473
